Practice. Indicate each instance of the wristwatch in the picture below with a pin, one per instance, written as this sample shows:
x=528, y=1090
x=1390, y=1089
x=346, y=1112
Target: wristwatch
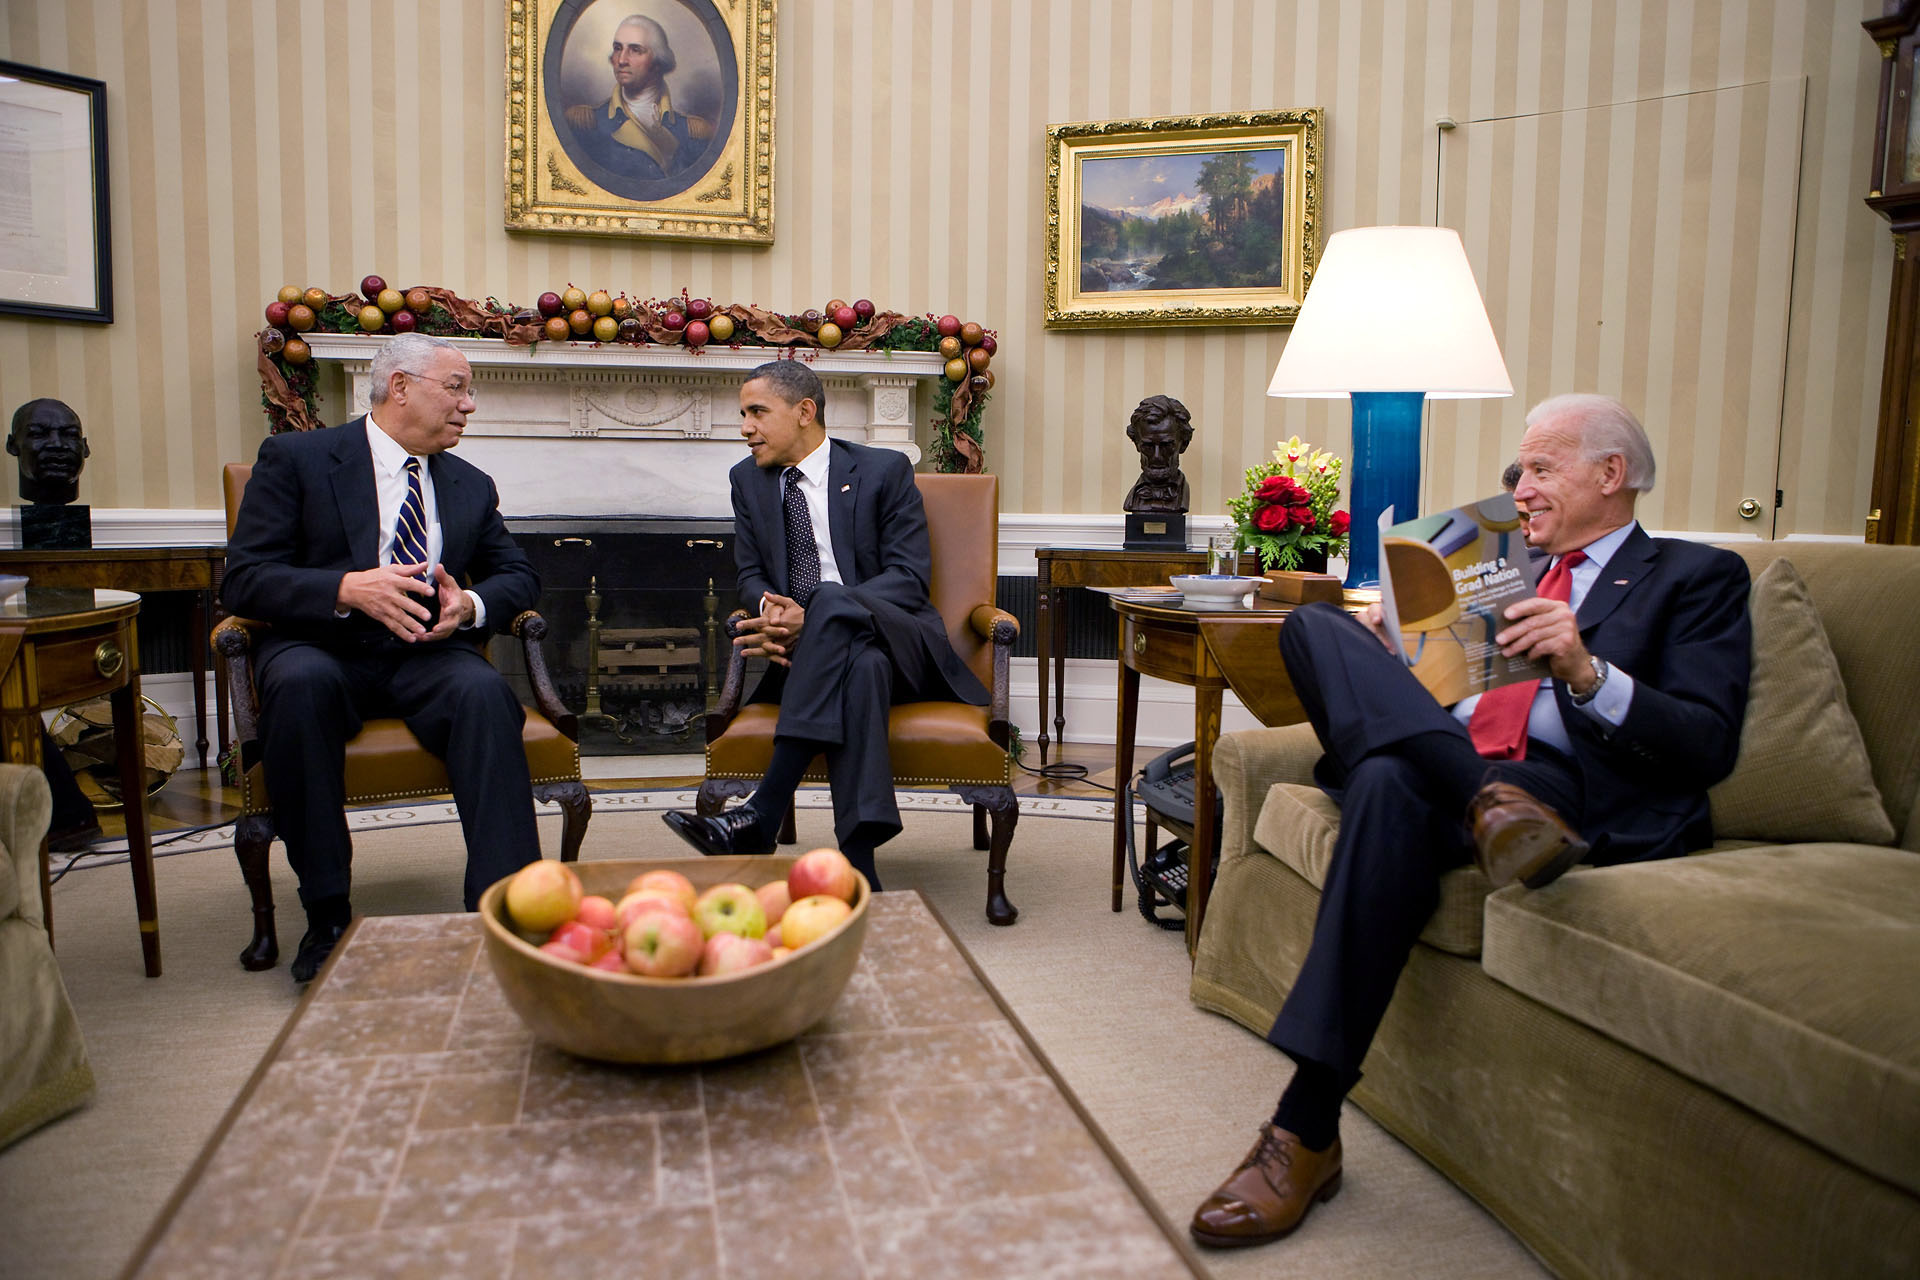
x=1600, y=670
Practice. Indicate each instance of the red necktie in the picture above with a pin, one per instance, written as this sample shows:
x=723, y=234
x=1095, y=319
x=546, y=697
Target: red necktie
x=1498, y=725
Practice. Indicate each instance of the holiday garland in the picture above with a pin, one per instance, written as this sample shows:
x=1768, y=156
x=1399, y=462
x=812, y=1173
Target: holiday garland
x=574, y=315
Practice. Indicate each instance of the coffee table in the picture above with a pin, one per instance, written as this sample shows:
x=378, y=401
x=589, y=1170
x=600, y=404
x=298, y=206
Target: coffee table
x=406, y=1123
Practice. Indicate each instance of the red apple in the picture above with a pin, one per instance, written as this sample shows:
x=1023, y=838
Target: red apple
x=662, y=945
x=277, y=314
x=549, y=304
x=730, y=908
x=810, y=919
x=697, y=333
x=948, y=326
x=597, y=912
x=844, y=316
x=675, y=320
x=611, y=962
x=371, y=286
x=642, y=901
x=864, y=310
x=773, y=938
x=562, y=951
x=822, y=871
x=988, y=344
x=669, y=882
x=699, y=308
x=543, y=895
x=728, y=953
x=402, y=321
x=590, y=942
x=775, y=898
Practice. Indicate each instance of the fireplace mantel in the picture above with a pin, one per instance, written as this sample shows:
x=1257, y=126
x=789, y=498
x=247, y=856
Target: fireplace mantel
x=585, y=429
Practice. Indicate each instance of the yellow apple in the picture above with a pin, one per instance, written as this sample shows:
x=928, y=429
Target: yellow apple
x=812, y=919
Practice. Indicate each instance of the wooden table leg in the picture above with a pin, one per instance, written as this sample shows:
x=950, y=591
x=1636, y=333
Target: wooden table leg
x=1123, y=730
x=130, y=748
x=1043, y=651
x=202, y=666
x=1059, y=673
x=1206, y=730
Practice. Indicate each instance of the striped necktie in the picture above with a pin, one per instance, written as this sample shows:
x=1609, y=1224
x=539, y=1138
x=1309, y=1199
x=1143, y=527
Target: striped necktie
x=410, y=530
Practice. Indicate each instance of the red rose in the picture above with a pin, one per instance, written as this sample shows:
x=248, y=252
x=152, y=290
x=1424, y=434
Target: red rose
x=1338, y=525
x=1270, y=519
x=1281, y=489
x=1302, y=516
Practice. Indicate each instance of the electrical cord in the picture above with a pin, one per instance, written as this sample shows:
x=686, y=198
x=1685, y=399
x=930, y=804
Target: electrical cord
x=110, y=852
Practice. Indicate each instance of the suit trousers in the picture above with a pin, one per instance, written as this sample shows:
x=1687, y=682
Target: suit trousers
x=1403, y=771
x=315, y=698
x=844, y=677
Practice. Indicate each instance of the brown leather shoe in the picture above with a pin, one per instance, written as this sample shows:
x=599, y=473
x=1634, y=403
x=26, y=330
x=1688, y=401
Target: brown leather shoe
x=1269, y=1193
x=1515, y=837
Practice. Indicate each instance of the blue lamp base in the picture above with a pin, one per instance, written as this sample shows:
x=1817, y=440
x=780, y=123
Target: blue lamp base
x=1386, y=473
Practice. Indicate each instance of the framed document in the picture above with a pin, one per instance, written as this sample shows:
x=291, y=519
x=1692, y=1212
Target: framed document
x=55, y=237
x=641, y=118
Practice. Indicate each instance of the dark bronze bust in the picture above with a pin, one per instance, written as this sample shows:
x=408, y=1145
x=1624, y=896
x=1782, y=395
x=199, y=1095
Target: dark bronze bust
x=1161, y=428
x=52, y=449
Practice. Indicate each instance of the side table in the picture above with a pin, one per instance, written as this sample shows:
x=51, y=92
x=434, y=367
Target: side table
x=1060, y=567
x=63, y=646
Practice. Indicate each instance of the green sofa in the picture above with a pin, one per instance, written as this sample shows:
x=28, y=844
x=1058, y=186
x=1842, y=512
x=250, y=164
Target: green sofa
x=1708, y=1066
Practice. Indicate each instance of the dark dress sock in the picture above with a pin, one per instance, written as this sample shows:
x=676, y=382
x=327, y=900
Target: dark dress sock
x=774, y=796
x=860, y=853
x=1310, y=1105
x=332, y=912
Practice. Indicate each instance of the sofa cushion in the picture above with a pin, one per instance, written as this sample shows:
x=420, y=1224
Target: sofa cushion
x=1297, y=825
x=1803, y=772
x=1782, y=977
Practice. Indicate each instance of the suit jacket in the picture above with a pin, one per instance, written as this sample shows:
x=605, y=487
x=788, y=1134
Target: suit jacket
x=1673, y=614
x=311, y=516
x=879, y=531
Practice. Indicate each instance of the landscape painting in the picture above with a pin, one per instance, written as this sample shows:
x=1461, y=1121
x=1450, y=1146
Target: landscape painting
x=1188, y=220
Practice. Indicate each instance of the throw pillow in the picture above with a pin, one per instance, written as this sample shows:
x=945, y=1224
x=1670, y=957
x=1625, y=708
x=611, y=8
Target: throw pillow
x=1803, y=773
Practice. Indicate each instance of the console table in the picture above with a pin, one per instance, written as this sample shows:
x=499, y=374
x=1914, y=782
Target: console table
x=1097, y=567
x=145, y=569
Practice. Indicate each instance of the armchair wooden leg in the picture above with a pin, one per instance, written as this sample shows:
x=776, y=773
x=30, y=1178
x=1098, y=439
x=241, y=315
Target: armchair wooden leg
x=715, y=792
x=980, y=828
x=576, y=803
x=252, y=838
x=1004, y=807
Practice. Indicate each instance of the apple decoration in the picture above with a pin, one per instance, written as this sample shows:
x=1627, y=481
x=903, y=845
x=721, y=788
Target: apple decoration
x=296, y=352
x=557, y=329
x=600, y=302
x=675, y=320
x=289, y=294
x=403, y=321
x=419, y=301
x=300, y=316
x=277, y=314
x=550, y=304
x=630, y=330
x=573, y=299
x=947, y=326
x=315, y=298
x=721, y=327
x=845, y=316
x=391, y=300
x=372, y=318
x=697, y=333
x=580, y=320
x=699, y=308
x=987, y=343
x=829, y=334
x=956, y=369
x=371, y=286
x=605, y=329
x=977, y=358
x=863, y=310
x=272, y=340
x=949, y=347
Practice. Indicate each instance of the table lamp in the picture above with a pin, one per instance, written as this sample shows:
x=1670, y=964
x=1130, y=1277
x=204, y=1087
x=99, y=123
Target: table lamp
x=1393, y=316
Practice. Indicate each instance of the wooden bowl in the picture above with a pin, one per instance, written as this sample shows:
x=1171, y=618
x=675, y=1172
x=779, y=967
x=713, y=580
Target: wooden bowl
x=618, y=1017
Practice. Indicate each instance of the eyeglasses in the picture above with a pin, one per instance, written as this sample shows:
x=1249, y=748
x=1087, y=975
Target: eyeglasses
x=458, y=388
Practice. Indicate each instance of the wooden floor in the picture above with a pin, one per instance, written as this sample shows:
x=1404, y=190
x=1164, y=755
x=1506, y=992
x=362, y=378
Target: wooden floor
x=196, y=798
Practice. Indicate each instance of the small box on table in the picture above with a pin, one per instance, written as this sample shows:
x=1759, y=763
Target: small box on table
x=1289, y=586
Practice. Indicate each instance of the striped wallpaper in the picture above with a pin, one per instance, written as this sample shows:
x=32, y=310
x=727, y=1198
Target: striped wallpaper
x=1661, y=198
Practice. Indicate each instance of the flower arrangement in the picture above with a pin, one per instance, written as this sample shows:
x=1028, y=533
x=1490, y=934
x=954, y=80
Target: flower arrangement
x=1287, y=510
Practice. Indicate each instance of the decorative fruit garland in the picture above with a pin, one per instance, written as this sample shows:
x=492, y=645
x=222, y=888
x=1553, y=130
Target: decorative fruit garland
x=574, y=315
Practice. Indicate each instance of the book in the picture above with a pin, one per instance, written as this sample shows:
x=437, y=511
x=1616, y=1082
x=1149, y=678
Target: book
x=1446, y=581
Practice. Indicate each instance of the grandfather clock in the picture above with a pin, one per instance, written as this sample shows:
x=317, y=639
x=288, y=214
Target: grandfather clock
x=1895, y=195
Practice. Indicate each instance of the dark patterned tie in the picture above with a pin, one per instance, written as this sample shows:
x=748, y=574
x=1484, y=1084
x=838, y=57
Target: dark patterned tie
x=1498, y=725
x=410, y=530
x=803, y=554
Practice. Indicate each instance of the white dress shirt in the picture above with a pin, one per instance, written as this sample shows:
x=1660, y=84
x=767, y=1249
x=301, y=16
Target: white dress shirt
x=390, y=487
x=813, y=487
x=1610, y=704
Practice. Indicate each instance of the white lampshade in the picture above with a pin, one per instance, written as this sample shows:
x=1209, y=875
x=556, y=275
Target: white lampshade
x=1393, y=309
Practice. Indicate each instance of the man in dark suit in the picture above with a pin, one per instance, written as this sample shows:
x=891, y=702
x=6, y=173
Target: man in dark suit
x=1649, y=648
x=352, y=542
x=831, y=543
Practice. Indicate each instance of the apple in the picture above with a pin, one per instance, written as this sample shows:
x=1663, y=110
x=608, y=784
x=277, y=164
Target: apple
x=988, y=344
x=579, y=320
x=573, y=299
x=611, y=962
x=669, y=882
x=956, y=369
x=391, y=300
x=662, y=945
x=730, y=908
x=721, y=327
x=419, y=300
x=845, y=316
x=699, y=308
x=979, y=358
x=590, y=942
x=402, y=321
x=642, y=901
x=675, y=320
x=371, y=286
x=773, y=936
x=781, y=953
x=971, y=333
x=600, y=302
x=729, y=953
x=549, y=304
x=831, y=307
x=622, y=308
x=864, y=310
x=289, y=294
x=605, y=328
x=597, y=912
x=697, y=333
x=296, y=352
x=372, y=318
x=811, y=919
x=561, y=951
x=948, y=326
x=829, y=334
x=277, y=314
x=315, y=297
x=823, y=871
x=543, y=895
x=949, y=347
x=300, y=316
x=557, y=329
x=774, y=900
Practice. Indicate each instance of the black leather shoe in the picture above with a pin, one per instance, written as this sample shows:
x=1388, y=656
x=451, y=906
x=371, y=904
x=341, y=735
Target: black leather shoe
x=315, y=947
x=735, y=831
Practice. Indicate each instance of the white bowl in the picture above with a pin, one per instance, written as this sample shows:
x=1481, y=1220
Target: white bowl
x=1213, y=588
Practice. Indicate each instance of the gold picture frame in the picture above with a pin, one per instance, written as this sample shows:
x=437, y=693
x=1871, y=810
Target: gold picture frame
x=602, y=139
x=1133, y=238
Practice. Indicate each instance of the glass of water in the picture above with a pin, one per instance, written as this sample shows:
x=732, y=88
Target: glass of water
x=1221, y=557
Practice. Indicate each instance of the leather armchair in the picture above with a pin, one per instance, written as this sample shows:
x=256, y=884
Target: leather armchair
x=952, y=744
x=385, y=762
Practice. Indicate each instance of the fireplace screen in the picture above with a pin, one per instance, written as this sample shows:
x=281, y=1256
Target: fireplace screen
x=636, y=609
